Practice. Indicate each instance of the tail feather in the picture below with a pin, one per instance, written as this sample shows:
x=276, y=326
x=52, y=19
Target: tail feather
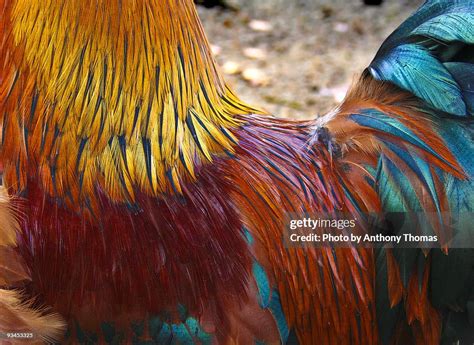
x=410, y=122
x=430, y=55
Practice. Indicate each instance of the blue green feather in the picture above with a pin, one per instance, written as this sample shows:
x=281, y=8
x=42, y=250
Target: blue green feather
x=413, y=68
x=418, y=56
x=376, y=119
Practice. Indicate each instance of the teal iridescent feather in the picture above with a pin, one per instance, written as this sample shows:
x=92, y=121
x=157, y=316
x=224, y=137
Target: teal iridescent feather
x=422, y=56
x=268, y=296
x=463, y=73
x=263, y=284
x=413, y=68
x=430, y=55
x=189, y=332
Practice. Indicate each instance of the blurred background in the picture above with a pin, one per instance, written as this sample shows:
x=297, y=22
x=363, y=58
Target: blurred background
x=296, y=58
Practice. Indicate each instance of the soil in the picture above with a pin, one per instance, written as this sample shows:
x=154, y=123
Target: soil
x=297, y=58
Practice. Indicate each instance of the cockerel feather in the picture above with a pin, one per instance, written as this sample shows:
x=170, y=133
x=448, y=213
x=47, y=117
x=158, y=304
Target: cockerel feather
x=99, y=66
x=156, y=201
x=17, y=314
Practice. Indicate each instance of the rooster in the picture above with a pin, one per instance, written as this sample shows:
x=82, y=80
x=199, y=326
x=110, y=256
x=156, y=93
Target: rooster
x=145, y=203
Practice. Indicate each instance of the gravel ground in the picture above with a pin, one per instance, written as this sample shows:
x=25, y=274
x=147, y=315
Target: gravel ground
x=297, y=58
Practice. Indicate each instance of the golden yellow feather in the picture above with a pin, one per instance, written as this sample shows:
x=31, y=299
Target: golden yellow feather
x=105, y=97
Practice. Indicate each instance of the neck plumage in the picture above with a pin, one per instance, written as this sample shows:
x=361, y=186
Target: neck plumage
x=128, y=87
